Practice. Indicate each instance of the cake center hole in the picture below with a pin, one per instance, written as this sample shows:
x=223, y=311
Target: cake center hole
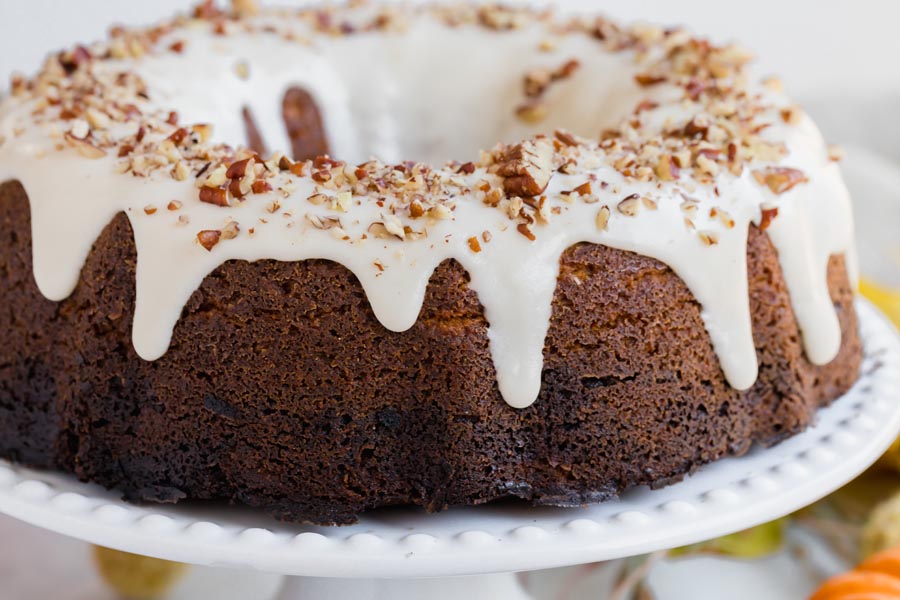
x=435, y=130
x=433, y=94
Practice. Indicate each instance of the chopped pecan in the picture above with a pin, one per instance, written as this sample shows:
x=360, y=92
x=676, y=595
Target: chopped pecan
x=630, y=205
x=231, y=230
x=602, y=218
x=532, y=112
x=238, y=169
x=84, y=147
x=648, y=79
x=565, y=137
x=527, y=168
x=261, y=186
x=217, y=196
x=525, y=230
x=208, y=238
x=666, y=169
x=779, y=179
x=768, y=215
x=466, y=168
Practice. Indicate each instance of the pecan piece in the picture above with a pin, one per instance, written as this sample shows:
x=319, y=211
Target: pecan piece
x=238, y=169
x=565, y=137
x=84, y=147
x=525, y=230
x=648, y=79
x=527, y=168
x=208, y=238
x=602, y=219
x=630, y=205
x=217, y=196
x=768, y=215
x=779, y=179
x=466, y=168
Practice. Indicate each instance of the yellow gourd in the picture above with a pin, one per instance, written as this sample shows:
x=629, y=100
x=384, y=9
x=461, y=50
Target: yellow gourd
x=887, y=301
x=137, y=577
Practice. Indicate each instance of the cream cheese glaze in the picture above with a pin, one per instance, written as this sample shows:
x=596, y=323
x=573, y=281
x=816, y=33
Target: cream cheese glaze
x=432, y=91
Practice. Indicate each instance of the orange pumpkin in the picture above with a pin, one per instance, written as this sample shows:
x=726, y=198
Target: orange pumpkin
x=884, y=562
x=876, y=578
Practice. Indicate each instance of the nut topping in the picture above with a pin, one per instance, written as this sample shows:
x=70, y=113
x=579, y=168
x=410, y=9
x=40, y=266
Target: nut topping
x=603, y=218
x=709, y=238
x=238, y=169
x=779, y=179
x=711, y=126
x=836, y=153
x=532, y=112
x=84, y=147
x=525, y=230
x=216, y=196
x=565, y=137
x=208, y=238
x=666, y=168
x=231, y=230
x=630, y=205
x=80, y=129
x=322, y=222
x=466, y=168
x=768, y=215
x=527, y=168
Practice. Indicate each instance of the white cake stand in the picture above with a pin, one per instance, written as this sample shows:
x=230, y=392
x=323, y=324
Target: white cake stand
x=388, y=552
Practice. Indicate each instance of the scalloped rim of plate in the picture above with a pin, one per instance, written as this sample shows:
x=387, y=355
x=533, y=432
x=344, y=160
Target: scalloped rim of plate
x=725, y=496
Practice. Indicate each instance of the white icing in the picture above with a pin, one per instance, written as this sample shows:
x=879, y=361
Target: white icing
x=431, y=93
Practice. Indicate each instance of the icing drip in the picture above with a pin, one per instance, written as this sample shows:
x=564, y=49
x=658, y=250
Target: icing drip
x=379, y=98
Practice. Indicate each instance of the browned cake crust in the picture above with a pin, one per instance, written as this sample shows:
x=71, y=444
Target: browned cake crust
x=282, y=391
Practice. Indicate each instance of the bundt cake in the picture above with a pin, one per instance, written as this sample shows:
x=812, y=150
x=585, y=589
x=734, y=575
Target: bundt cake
x=648, y=268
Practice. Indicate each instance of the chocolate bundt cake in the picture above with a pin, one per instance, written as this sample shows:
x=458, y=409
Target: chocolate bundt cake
x=650, y=268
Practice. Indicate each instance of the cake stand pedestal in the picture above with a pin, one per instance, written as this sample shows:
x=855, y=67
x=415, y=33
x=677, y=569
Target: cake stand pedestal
x=398, y=553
